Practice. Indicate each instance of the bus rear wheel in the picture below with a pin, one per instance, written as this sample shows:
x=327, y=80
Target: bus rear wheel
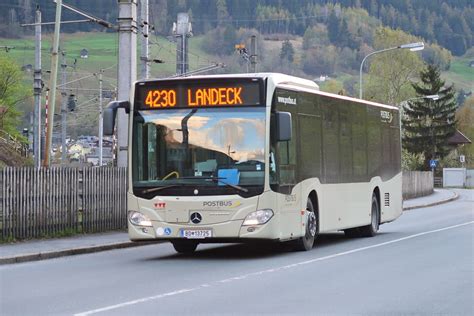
x=371, y=229
x=185, y=246
x=306, y=242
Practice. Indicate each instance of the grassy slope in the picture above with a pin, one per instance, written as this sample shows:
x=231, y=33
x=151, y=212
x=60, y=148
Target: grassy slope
x=11, y=158
x=460, y=74
x=102, y=49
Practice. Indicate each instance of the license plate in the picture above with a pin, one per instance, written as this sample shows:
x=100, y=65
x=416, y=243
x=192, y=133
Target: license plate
x=196, y=233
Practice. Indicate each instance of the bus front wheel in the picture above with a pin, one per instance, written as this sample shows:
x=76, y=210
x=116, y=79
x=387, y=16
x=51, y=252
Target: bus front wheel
x=306, y=242
x=185, y=246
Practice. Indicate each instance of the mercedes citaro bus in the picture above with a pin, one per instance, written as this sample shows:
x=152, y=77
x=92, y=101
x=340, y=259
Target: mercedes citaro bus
x=252, y=157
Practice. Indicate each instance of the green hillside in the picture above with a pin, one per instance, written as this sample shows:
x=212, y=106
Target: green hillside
x=102, y=48
x=460, y=74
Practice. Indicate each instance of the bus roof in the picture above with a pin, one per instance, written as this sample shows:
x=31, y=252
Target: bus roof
x=277, y=78
x=337, y=96
x=281, y=80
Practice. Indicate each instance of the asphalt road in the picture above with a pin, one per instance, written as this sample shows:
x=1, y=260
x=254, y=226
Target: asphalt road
x=423, y=263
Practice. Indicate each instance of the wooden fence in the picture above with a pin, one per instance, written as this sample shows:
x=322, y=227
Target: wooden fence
x=54, y=201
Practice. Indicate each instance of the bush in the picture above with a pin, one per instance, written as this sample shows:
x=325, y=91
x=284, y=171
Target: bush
x=411, y=161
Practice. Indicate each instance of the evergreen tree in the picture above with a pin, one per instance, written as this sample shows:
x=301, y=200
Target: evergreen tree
x=429, y=123
x=461, y=97
x=287, y=51
x=229, y=39
x=333, y=28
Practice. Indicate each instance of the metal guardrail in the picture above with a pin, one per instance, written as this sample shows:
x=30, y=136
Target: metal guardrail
x=438, y=182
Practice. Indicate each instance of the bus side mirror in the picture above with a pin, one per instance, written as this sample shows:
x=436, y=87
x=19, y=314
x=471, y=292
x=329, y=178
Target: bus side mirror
x=283, y=126
x=110, y=112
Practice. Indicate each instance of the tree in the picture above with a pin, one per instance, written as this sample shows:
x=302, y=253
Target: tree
x=427, y=123
x=287, y=52
x=229, y=39
x=332, y=86
x=333, y=28
x=390, y=72
x=465, y=119
x=411, y=161
x=12, y=93
x=320, y=61
x=222, y=14
x=461, y=97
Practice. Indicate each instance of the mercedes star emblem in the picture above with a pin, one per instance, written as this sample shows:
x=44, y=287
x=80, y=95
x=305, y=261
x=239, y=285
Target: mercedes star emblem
x=196, y=218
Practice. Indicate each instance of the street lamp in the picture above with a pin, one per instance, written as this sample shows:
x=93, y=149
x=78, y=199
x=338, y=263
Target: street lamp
x=433, y=97
x=412, y=47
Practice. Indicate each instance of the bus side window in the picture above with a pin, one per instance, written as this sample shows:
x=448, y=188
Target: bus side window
x=287, y=161
x=284, y=153
x=283, y=164
x=330, y=131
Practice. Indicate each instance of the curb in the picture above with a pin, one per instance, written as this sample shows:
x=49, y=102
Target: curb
x=454, y=197
x=72, y=252
x=130, y=244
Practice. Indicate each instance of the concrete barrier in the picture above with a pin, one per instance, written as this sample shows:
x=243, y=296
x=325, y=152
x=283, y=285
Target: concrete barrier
x=470, y=178
x=416, y=184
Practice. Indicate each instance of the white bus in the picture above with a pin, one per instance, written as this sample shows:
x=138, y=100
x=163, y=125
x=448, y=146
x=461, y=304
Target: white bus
x=252, y=157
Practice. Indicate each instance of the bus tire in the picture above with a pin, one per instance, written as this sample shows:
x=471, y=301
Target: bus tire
x=371, y=229
x=185, y=246
x=306, y=242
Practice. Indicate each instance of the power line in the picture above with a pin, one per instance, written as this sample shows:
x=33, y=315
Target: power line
x=304, y=17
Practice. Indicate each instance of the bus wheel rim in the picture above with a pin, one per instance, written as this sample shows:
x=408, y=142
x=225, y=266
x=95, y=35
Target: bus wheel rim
x=374, y=221
x=312, y=224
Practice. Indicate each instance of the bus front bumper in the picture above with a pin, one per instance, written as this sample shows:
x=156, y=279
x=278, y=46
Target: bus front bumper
x=230, y=231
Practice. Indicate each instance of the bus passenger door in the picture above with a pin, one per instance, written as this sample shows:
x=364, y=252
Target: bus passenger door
x=289, y=197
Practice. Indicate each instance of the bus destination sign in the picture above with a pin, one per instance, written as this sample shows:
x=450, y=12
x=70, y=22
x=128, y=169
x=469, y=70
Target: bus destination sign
x=197, y=94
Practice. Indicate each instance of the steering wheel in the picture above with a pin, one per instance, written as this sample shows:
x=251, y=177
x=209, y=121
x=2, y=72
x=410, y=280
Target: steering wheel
x=176, y=173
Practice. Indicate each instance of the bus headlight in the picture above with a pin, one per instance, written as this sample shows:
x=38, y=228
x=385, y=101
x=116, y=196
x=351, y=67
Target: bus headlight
x=139, y=219
x=258, y=217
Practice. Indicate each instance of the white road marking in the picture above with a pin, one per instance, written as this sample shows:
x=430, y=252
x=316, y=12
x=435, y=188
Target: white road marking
x=258, y=273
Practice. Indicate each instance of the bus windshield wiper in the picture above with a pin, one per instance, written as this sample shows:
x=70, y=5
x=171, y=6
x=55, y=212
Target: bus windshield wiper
x=159, y=188
x=218, y=179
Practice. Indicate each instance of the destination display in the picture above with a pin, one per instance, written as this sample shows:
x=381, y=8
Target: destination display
x=196, y=94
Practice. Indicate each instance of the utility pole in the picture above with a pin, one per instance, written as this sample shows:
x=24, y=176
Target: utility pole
x=64, y=101
x=182, y=30
x=101, y=120
x=145, y=49
x=127, y=72
x=37, y=87
x=52, y=83
x=253, y=54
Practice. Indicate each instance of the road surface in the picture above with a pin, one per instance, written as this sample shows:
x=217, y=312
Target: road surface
x=423, y=263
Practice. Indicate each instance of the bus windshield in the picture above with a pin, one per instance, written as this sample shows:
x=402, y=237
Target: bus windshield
x=213, y=150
